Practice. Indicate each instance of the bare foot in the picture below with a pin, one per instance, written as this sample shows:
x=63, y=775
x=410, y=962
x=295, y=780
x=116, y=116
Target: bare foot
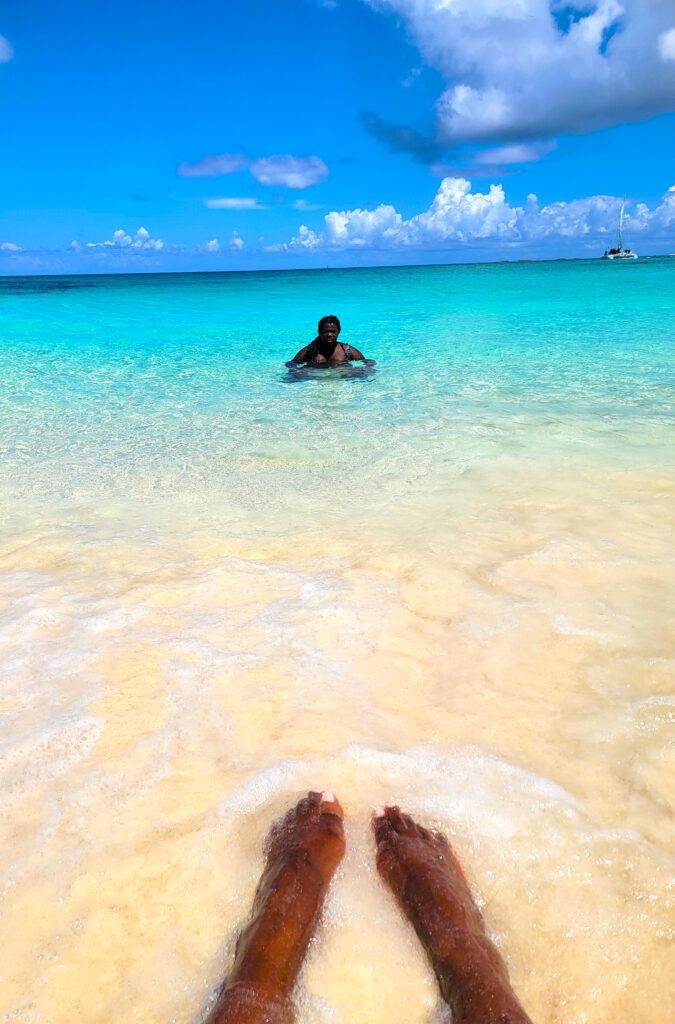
x=303, y=852
x=426, y=878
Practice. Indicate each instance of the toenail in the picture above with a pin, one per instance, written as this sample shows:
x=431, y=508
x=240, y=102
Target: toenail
x=328, y=796
x=378, y=812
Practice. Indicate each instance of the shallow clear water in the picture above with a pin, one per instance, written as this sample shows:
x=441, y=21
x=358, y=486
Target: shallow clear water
x=449, y=584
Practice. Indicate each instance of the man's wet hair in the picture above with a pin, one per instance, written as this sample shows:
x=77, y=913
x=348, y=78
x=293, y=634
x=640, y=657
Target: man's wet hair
x=329, y=320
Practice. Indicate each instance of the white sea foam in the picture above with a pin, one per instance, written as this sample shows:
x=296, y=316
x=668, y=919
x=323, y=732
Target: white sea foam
x=163, y=720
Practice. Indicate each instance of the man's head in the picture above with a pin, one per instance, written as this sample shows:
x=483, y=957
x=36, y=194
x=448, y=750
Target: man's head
x=329, y=328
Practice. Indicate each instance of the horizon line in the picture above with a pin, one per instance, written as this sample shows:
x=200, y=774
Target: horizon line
x=315, y=270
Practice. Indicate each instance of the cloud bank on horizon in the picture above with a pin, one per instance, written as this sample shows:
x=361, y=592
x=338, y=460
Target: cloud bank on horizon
x=458, y=219
x=140, y=242
x=518, y=70
x=457, y=216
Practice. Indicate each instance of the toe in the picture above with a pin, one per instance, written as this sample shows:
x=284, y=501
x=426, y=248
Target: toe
x=331, y=814
x=330, y=804
x=401, y=823
x=410, y=825
x=309, y=807
x=394, y=817
x=382, y=826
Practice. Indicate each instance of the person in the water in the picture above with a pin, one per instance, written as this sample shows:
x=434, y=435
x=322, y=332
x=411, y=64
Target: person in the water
x=426, y=879
x=326, y=350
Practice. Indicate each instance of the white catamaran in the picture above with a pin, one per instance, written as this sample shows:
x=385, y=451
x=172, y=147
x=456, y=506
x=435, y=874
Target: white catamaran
x=620, y=253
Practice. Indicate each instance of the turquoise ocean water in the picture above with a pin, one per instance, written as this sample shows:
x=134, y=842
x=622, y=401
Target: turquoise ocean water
x=154, y=382
x=447, y=584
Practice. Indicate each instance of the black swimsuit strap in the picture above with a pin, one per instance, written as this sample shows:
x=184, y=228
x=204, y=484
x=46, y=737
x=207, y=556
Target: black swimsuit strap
x=314, y=349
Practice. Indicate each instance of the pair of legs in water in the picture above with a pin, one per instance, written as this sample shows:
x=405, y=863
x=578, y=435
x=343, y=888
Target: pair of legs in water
x=424, y=875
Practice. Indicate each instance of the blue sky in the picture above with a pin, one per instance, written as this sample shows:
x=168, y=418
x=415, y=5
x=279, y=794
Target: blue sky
x=394, y=131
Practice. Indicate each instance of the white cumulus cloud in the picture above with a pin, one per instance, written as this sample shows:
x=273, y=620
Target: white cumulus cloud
x=283, y=169
x=10, y=247
x=213, y=245
x=667, y=44
x=141, y=241
x=6, y=51
x=236, y=242
x=289, y=171
x=457, y=216
x=234, y=203
x=305, y=206
x=515, y=153
x=524, y=69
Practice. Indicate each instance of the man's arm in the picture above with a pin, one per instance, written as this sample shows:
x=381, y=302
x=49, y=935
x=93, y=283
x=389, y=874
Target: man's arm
x=359, y=356
x=299, y=357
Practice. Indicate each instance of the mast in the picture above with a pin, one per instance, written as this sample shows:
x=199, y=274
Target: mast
x=623, y=207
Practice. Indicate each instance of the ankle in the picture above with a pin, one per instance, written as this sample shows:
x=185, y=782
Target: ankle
x=267, y=980
x=479, y=999
x=245, y=1002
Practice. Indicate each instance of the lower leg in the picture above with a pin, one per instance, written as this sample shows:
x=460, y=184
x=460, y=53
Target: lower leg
x=304, y=851
x=427, y=880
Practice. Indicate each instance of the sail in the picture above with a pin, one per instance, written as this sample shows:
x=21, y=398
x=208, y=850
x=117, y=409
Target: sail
x=623, y=207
